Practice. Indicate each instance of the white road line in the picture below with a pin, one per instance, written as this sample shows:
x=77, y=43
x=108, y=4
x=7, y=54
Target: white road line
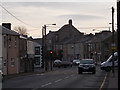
x=66, y=77
x=39, y=74
x=45, y=84
x=58, y=80
x=72, y=75
x=103, y=82
x=34, y=88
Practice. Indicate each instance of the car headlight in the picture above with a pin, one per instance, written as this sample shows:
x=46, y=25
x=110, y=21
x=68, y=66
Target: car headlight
x=92, y=65
x=80, y=65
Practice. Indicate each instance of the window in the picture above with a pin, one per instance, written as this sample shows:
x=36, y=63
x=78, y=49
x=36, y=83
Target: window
x=9, y=40
x=12, y=62
x=5, y=42
x=5, y=63
x=37, y=60
x=56, y=38
x=15, y=42
x=37, y=50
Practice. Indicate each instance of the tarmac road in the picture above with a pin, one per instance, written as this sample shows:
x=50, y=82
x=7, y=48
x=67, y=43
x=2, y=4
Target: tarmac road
x=60, y=78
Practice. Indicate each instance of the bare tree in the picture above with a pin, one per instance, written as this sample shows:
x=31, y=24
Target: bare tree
x=21, y=30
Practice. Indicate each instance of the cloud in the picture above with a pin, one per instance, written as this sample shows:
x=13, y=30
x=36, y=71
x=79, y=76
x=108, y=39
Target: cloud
x=80, y=17
x=58, y=0
x=40, y=13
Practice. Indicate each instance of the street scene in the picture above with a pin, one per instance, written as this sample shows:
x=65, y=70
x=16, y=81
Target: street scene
x=59, y=45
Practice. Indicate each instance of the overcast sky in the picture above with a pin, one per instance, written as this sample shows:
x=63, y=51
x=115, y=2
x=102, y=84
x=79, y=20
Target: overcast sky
x=36, y=13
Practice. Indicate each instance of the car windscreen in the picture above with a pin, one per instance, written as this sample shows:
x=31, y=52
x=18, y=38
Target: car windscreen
x=86, y=61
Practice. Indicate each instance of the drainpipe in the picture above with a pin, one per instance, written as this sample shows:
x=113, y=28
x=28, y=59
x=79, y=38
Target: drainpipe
x=7, y=54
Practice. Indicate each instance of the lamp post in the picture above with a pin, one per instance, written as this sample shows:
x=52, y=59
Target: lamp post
x=44, y=47
x=113, y=45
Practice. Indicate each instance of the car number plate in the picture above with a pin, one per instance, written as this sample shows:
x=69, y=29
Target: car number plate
x=85, y=67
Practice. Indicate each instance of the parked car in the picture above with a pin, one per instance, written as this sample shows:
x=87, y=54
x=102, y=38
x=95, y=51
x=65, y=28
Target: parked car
x=107, y=65
x=57, y=63
x=66, y=64
x=76, y=61
x=1, y=75
x=87, y=65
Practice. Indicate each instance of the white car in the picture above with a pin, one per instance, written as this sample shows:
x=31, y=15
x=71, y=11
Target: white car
x=1, y=73
x=107, y=65
x=76, y=61
x=57, y=63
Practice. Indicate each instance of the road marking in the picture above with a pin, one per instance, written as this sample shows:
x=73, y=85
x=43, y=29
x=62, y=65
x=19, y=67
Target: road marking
x=58, y=80
x=65, y=73
x=34, y=88
x=39, y=74
x=103, y=82
x=72, y=75
x=66, y=77
x=46, y=84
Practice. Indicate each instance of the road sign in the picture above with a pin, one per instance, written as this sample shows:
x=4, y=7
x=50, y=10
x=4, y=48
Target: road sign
x=113, y=46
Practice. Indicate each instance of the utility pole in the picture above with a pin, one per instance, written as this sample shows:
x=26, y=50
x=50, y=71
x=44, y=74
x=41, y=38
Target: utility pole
x=44, y=61
x=113, y=44
x=44, y=47
x=118, y=34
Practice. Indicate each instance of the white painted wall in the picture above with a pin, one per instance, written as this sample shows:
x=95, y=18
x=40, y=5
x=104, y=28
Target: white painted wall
x=38, y=45
x=30, y=47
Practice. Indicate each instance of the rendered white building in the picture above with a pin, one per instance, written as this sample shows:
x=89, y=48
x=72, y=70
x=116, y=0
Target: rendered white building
x=38, y=55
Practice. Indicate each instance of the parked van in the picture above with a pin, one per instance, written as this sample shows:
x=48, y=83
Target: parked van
x=107, y=65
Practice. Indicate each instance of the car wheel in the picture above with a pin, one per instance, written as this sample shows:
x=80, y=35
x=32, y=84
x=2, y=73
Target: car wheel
x=79, y=71
x=58, y=66
x=108, y=69
x=65, y=66
x=94, y=72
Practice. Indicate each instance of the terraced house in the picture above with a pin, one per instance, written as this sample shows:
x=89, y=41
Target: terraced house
x=10, y=50
x=77, y=45
x=17, y=51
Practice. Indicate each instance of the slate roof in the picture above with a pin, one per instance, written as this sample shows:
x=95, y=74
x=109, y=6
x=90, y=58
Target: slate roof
x=79, y=39
x=66, y=34
x=99, y=37
x=38, y=40
x=69, y=28
x=7, y=31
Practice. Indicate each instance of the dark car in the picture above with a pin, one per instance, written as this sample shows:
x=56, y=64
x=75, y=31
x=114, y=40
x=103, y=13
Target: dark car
x=87, y=65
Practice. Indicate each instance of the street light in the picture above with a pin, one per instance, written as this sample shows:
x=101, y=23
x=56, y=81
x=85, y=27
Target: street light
x=95, y=30
x=113, y=40
x=44, y=47
x=114, y=25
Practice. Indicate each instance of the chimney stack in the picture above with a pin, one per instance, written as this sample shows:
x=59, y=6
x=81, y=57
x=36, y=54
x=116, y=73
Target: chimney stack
x=7, y=25
x=70, y=21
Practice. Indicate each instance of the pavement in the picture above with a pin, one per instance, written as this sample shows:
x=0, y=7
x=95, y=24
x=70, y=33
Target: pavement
x=37, y=71
x=113, y=80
